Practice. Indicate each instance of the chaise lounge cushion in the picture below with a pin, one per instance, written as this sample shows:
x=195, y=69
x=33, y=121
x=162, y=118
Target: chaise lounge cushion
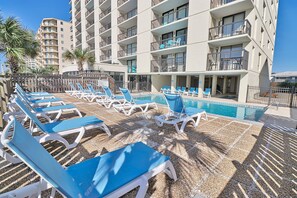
x=75, y=123
x=102, y=175
x=55, y=108
x=46, y=100
x=192, y=111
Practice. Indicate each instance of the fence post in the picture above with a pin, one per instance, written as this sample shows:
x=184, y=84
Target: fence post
x=292, y=96
x=270, y=94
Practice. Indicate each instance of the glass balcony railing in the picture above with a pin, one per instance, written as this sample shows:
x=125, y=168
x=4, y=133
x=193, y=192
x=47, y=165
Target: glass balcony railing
x=169, y=43
x=170, y=17
x=127, y=16
x=232, y=60
x=127, y=52
x=177, y=64
x=231, y=29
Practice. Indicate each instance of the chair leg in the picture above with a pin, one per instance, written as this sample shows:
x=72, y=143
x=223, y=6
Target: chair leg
x=143, y=186
x=78, y=138
x=197, y=120
x=170, y=171
x=106, y=129
x=78, y=112
x=55, y=137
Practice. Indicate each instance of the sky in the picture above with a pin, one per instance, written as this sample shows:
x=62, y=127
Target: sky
x=31, y=13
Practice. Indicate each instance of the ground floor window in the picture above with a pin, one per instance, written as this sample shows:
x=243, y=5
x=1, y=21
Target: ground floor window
x=132, y=66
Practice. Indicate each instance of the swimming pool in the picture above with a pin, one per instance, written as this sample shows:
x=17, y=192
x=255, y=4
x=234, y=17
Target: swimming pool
x=224, y=109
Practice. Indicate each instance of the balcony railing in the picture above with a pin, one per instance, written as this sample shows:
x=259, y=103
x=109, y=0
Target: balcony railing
x=88, y=12
x=104, y=13
x=127, y=34
x=105, y=57
x=169, y=65
x=232, y=29
x=167, y=19
x=234, y=60
x=105, y=42
x=217, y=3
x=78, y=43
x=127, y=52
x=127, y=16
x=91, y=47
x=104, y=28
x=156, y=2
x=121, y=2
x=169, y=43
x=91, y=35
x=77, y=22
x=89, y=24
x=87, y=1
x=101, y=1
x=77, y=12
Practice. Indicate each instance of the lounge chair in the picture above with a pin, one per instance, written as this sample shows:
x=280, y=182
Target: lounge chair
x=73, y=91
x=196, y=92
x=43, y=111
x=83, y=93
x=55, y=130
x=191, y=91
x=17, y=86
x=93, y=94
x=131, y=104
x=109, y=175
x=110, y=98
x=165, y=88
x=207, y=93
x=30, y=96
x=178, y=89
x=178, y=113
x=183, y=90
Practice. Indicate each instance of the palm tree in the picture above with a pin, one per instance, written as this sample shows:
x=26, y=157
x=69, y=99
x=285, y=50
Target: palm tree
x=16, y=42
x=80, y=57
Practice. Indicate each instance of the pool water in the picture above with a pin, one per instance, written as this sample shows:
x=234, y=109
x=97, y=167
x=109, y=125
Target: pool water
x=234, y=111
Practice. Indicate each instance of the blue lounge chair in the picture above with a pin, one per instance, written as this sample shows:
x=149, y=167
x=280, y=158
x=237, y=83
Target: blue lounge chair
x=17, y=86
x=109, y=175
x=55, y=130
x=183, y=90
x=131, y=104
x=196, y=92
x=83, y=93
x=93, y=94
x=30, y=96
x=73, y=91
x=207, y=93
x=110, y=99
x=178, y=89
x=165, y=89
x=178, y=113
x=191, y=91
x=45, y=102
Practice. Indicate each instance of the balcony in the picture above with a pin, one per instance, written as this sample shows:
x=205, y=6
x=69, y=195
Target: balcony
x=230, y=34
x=104, y=13
x=105, y=28
x=121, y=2
x=89, y=12
x=125, y=17
x=105, y=42
x=169, y=65
x=128, y=52
x=127, y=34
x=77, y=23
x=176, y=20
x=234, y=60
x=221, y=8
x=156, y=2
x=169, y=43
x=105, y=57
x=89, y=24
x=91, y=47
x=87, y=2
x=90, y=36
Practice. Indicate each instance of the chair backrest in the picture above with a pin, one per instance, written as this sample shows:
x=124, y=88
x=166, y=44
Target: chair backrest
x=175, y=103
x=178, y=88
x=72, y=86
x=178, y=40
x=90, y=87
x=197, y=90
x=108, y=91
x=23, y=145
x=80, y=86
x=192, y=89
x=23, y=107
x=127, y=95
x=208, y=90
x=25, y=101
x=183, y=88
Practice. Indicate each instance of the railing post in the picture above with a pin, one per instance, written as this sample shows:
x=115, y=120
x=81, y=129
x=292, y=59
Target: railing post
x=270, y=94
x=292, y=96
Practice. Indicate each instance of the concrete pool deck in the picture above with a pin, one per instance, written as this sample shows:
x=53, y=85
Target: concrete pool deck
x=220, y=158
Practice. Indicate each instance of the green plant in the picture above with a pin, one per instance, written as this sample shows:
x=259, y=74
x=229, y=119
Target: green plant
x=80, y=57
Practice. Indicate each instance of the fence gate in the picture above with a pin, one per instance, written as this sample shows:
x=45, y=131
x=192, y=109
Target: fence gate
x=281, y=96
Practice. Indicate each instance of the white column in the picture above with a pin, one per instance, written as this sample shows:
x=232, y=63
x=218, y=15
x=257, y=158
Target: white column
x=225, y=85
x=243, y=88
x=237, y=85
x=96, y=31
x=201, y=85
x=173, y=82
x=188, y=83
x=214, y=85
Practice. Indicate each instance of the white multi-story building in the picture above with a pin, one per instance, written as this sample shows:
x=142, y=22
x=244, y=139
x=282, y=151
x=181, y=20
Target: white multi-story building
x=225, y=45
x=54, y=36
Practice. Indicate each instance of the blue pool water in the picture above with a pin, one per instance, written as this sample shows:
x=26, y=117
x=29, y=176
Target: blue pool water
x=235, y=111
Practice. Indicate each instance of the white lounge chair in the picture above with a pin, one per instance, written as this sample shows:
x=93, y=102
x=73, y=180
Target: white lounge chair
x=93, y=95
x=178, y=113
x=207, y=93
x=109, y=175
x=131, y=104
x=110, y=98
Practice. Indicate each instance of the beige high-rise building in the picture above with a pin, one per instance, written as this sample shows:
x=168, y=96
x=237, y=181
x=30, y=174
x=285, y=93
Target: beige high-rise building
x=54, y=36
x=225, y=45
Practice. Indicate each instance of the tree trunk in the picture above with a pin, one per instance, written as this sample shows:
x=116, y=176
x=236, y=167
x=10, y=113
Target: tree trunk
x=80, y=67
x=14, y=66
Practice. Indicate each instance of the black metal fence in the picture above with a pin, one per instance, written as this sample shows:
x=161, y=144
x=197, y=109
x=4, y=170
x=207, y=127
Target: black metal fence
x=280, y=96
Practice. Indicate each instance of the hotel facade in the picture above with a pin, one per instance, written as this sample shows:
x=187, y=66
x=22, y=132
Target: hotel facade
x=54, y=36
x=226, y=45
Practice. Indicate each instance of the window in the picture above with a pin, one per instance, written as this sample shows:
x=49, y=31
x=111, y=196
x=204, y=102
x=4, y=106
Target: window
x=132, y=66
x=233, y=24
x=62, y=48
x=182, y=12
x=62, y=35
x=62, y=29
x=166, y=37
x=62, y=42
x=264, y=8
x=167, y=17
x=181, y=36
x=131, y=31
x=61, y=22
x=268, y=44
x=259, y=60
x=231, y=57
x=131, y=49
x=262, y=37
